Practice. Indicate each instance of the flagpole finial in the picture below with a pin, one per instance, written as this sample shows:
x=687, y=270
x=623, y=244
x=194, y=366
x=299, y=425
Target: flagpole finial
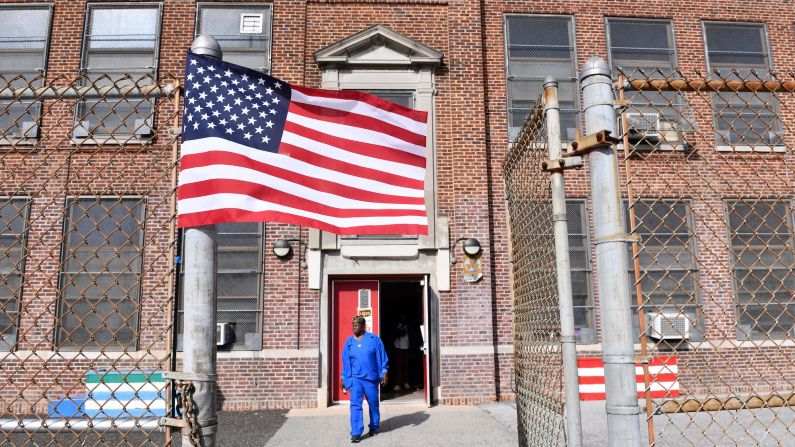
x=206, y=45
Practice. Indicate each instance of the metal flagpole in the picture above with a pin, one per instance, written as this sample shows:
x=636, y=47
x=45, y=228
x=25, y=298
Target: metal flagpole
x=199, y=350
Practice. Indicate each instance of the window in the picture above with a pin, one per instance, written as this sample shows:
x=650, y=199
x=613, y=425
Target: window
x=404, y=98
x=740, y=51
x=100, y=282
x=13, y=232
x=239, y=284
x=244, y=32
x=537, y=47
x=24, y=37
x=120, y=48
x=641, y=48
x=667, y=257
x=581, y=281
x=760, y=233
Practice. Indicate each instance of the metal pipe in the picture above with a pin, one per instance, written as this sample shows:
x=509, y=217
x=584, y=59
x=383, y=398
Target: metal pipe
x=199, y=350
x=633, y=227
x=705, y=85
x=563, y=267
x=88, y=92
x=621, y=403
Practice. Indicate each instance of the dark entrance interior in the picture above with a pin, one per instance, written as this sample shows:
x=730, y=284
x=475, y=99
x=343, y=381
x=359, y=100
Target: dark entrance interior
x=403, y=298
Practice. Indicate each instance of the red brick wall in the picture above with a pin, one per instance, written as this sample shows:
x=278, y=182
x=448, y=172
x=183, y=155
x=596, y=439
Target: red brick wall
x=471, y=142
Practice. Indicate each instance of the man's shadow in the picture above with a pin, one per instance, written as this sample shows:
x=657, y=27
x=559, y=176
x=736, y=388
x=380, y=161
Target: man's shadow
x=404, y=420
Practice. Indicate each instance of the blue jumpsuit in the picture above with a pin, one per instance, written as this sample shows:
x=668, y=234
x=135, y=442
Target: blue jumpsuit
x=364, y=362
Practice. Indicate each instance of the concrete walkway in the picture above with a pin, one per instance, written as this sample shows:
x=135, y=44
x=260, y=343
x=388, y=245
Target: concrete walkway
x=404, y=425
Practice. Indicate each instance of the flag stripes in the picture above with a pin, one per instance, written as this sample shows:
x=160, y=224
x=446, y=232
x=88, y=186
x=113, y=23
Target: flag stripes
x=663, y=378
x=342, y=161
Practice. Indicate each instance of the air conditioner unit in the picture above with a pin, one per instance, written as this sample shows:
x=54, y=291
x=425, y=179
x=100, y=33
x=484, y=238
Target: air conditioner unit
x=142, y=128
x=223, y=334
x=643, y=126
x=668, y=326
x=81, y=129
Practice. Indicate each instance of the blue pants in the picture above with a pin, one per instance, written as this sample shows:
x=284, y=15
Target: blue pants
x=364, y=388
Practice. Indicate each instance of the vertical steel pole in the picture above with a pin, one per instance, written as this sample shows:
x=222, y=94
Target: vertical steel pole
x=563, y=266
x=198, y=347
x=621, y=404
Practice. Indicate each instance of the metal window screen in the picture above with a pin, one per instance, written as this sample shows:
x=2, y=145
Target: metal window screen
x=13, y=234
x=250, y=48
x=762, y=259
x=667, y=257
x=24, y=36
x=120, y=49
x=537, y=47
x=580, y=259
x=239, y=273
x=740, y=51
x=100, y=283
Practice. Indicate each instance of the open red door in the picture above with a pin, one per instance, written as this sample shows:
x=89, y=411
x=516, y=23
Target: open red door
x=426, y=339
x=349, y=298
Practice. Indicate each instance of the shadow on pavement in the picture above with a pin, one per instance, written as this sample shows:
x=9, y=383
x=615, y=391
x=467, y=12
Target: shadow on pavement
x=404, y=420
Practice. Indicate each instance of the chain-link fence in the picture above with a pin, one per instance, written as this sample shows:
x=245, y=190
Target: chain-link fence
x=708, y=176
x=87, y=216
x=536, y=318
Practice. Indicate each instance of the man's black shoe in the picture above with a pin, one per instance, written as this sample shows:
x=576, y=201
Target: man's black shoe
x=356, y=439
x=372, y=432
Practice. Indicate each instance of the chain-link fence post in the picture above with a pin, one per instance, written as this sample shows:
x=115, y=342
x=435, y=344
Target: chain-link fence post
x=199, y=350
x=621, y=402
x=568, y=340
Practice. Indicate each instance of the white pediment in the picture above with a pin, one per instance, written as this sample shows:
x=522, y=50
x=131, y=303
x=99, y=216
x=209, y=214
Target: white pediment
x=378, y=45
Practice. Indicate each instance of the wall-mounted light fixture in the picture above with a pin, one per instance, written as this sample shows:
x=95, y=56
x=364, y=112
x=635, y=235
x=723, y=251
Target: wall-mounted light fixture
x=282, y=249
x=471, y=247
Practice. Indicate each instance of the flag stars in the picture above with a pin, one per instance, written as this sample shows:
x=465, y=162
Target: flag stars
x=247, y=136
x=211, y=125
x=222, y=122
x=252, y=120
x=229, y=131
x=275, y=100
x=245, y=110
x=269, y=124
x=261, y=81
x=269, y=91
x=203, y=96
x=233, y=117
x=228, y=73
x=241, y=126
x=258, y=129
x=207, y=79
x=205, y=116
x=200, y=70
x=213, y=88
x=278, y=84
x=263, y=114
x=216, y=113
x=266, y=139
x=227, y=107
x=190, y=76
x=238, y=101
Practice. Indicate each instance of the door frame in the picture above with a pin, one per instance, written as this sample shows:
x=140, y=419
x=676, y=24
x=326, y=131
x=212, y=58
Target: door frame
x=325, y=392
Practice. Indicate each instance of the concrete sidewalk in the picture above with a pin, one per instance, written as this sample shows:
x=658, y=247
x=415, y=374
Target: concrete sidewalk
x=404, y=425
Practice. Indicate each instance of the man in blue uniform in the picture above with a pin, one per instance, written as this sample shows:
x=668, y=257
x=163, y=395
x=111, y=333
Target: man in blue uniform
x=364, y=366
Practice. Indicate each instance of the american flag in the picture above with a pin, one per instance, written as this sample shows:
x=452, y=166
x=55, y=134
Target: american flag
x=256, y=149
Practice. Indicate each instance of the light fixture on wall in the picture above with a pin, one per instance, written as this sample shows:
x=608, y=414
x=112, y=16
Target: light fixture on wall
x=282, y=249
x=471, y=247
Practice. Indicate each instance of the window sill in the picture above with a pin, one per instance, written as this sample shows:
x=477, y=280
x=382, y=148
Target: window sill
x=143, y=143
x=28, y=144
x=761, y=149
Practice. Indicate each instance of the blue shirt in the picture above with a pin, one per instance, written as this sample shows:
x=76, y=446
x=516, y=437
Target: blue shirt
x=363, y=359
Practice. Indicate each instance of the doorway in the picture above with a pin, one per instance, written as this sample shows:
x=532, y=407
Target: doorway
x=402, y=328
x=396, y=310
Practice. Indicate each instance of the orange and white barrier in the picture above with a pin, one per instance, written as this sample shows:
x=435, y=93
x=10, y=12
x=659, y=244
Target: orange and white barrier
x=663, y=378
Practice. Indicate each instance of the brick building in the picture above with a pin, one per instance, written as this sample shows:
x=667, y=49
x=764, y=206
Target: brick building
x=475, y=66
